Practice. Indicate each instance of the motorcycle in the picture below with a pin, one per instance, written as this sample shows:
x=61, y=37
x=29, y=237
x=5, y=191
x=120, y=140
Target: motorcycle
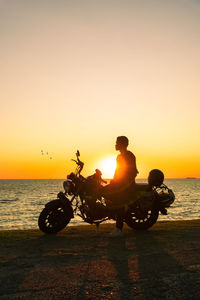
x=83, y=197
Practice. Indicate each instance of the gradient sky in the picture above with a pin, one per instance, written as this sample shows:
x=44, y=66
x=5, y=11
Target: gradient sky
x=76, y=74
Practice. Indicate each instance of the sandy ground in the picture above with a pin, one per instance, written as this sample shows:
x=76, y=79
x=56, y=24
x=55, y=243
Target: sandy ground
x=162, y=263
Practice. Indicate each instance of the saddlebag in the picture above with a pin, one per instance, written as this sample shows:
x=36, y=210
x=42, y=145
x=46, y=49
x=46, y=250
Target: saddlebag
x=165, y=197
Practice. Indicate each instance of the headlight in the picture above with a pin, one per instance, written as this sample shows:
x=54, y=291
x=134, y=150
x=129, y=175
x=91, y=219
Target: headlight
x=67, y=185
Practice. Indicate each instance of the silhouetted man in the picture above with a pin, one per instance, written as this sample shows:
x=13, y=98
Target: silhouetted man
x=123, y=181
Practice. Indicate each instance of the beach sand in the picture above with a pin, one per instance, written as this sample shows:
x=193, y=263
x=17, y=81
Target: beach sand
x=161, y=263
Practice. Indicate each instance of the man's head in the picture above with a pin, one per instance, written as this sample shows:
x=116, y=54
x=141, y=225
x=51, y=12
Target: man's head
x=121, y=143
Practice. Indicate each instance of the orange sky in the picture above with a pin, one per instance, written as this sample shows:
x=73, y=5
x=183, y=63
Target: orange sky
x=76, y=74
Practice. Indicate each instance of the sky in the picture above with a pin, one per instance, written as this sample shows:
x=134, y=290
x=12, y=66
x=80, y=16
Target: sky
x=76, y=74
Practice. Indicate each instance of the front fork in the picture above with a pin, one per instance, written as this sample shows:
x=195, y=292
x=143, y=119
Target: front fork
x=66, y=204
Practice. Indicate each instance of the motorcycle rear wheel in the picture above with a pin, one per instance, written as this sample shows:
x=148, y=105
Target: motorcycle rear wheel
x=53, y=219
x=141, y=220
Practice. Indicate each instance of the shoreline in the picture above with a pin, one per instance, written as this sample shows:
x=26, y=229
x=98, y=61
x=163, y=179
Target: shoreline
x=163, y=262
x=84, y=224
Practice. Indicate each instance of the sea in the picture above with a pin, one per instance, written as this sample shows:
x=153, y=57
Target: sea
x=21, y=201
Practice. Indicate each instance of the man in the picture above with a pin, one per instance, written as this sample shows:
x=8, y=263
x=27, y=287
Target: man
x=123, y=181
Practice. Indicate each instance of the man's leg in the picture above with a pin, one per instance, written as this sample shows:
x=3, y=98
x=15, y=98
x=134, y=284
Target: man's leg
x=120, y=218
x=119, y=223
x=112, y=193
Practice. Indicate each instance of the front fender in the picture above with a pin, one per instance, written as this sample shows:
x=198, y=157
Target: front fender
x=64, y=203
x=52, y=203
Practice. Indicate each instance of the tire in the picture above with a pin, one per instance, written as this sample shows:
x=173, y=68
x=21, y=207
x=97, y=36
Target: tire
x=139, y=220
x=53, y=219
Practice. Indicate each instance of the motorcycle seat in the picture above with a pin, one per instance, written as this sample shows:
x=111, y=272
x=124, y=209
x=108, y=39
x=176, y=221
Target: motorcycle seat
x=142, y=187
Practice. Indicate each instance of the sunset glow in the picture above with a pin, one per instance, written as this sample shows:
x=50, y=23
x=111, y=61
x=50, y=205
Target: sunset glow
x=107, y=167
x=77, y=74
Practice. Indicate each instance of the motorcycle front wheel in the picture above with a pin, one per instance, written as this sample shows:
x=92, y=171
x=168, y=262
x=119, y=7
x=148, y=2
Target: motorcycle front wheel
x=52, y=219
x=141, y=220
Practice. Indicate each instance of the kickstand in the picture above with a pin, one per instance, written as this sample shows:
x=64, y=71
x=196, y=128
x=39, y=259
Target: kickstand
x=97, y=227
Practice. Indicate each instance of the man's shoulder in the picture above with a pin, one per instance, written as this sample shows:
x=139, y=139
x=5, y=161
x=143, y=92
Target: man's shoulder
x=130, y=154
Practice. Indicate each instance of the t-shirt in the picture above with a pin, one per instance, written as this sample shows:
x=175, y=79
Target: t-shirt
x=126, y=169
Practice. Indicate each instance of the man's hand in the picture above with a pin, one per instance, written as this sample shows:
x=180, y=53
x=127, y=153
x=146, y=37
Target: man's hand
x=125, y=208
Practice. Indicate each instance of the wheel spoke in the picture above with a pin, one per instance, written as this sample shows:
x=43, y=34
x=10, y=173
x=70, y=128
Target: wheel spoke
x=141, y=220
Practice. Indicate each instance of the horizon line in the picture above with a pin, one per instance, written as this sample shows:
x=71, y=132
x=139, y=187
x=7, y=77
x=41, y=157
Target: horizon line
x=86, y=177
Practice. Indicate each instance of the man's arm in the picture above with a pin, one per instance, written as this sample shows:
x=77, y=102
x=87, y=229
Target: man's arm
x=131, y=171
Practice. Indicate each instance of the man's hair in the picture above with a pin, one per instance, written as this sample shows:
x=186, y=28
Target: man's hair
x=123, y=140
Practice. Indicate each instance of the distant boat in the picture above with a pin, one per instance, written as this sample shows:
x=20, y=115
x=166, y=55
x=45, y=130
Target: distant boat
x=191, y=178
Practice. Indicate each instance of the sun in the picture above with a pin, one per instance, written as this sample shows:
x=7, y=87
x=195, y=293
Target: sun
x=107, y=166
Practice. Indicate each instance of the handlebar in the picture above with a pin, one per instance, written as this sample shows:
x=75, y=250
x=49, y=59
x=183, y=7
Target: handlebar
x=79, y=163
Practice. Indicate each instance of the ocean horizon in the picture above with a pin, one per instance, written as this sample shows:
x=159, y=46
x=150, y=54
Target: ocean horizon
x=103, y=178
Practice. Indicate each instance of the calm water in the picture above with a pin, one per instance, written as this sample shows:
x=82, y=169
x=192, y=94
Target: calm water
x=21, y=201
